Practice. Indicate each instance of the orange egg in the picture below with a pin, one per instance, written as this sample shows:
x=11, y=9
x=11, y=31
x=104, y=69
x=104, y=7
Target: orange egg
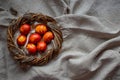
x=21, y=40
x=48, y=36
x=41, y=29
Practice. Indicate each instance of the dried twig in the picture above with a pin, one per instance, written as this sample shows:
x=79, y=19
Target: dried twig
x=27, y=60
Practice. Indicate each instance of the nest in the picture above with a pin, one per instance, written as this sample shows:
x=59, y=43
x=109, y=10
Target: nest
x=19, y=54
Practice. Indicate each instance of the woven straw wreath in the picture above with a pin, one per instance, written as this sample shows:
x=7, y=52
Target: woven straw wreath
x=19, y=54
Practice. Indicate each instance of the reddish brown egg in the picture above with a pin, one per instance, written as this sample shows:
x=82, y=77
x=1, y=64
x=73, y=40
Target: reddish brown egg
x=34, y=38
x=31, y=48
x=41, y=46
x=25, y=29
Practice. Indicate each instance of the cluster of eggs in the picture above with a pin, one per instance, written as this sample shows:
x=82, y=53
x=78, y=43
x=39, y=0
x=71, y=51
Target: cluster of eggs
x=37, y=41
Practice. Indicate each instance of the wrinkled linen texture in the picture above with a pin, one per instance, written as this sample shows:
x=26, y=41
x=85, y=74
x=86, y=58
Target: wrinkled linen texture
x=91, y=32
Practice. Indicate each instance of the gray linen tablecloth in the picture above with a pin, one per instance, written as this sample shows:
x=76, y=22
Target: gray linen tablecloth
x=91, y=47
